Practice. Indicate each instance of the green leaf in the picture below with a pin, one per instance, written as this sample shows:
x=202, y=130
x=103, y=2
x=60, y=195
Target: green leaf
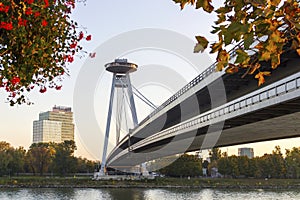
x=216, y=29
x=242, y=57
x=297, y=26
x=228, y=37
x=248, y=40
x=221, y=18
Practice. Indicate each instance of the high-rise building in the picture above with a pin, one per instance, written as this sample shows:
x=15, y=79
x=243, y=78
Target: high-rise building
x=54, y=126
x=249, y=152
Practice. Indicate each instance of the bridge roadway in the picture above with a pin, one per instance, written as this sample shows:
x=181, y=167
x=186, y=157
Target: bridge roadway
x=206, y=92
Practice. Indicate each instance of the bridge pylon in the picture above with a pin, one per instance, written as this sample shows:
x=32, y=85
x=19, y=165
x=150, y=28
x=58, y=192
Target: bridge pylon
x=121, y=79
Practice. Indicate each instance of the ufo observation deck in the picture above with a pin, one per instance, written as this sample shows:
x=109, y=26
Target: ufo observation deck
x=121, y=66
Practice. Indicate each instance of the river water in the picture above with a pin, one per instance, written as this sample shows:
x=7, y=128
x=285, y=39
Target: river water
x=145, y=194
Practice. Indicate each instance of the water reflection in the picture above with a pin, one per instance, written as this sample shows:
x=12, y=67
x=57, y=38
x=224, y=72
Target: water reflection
x=126, y=193
x=145, y=194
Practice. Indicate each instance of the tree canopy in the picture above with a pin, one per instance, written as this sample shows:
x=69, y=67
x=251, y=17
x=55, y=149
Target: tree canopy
x=265, y=30
x=38, y=39
x=41, y=158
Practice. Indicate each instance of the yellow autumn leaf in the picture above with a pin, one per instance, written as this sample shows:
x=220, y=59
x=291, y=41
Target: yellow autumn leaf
x=298, y=51
x=276, y=36
x=184, y=2
x=220, y=66
x=271, y=47
x=275, y=60
x=274, y=2
x=223, y=58
x=201, y=45
x=205, y=4
x=261, y=78
x=232, y=69
x=216, y=47
x=265, y=56
x=259, y=46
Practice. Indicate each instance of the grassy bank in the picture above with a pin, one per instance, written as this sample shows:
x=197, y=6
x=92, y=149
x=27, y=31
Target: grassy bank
x=74, y=182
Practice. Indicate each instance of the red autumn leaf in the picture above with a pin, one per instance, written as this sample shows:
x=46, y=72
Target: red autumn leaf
x=36, y=14
x=6, y=25
x=43, y=89
x=88, y=38
x=81, y=35
x=58, y=87
x=46, y=3
x=4, y=8
x=22, y=22
x=28, y=11
x=15, y=80
x=70, y=58
x=73, y=46
x=29, y=1
x=44, y=22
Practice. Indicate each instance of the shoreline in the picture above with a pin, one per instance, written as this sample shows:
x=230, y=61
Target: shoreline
x=159, y=183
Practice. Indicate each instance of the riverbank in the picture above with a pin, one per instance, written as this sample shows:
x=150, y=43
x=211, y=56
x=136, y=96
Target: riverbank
x=85, y=182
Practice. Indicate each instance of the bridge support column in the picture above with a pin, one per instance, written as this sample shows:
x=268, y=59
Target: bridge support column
x=121, y=79
x=103, y=163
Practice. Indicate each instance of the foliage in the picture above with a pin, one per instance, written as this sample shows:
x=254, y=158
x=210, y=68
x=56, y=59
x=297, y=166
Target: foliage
x=64, y=161
x=85, y=166
x=215, y=154
x=186, y=165
x=39, y=157
x=268, y=29
x=267, y=166
x=38, y=40
x=293, y=162
x=5, y=158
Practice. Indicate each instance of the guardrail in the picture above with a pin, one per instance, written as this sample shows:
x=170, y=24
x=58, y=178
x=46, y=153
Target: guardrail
x=193, y=83
x=269, y=93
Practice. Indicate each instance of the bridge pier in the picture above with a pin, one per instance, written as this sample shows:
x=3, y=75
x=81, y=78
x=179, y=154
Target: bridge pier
x=121, y=79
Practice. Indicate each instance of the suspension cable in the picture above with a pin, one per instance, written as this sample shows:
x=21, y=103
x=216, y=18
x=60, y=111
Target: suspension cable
x=145, y=98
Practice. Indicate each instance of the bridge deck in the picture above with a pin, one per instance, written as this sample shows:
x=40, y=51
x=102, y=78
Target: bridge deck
x=270, y=113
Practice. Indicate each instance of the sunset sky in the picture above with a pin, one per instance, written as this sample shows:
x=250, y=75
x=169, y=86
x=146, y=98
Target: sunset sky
x=105, y=20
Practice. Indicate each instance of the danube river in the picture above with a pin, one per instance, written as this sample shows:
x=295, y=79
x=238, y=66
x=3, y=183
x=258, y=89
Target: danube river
x=146, y=194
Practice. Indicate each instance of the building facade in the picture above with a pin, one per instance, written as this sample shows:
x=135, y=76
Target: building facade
x=54, y=126
x=249, y=152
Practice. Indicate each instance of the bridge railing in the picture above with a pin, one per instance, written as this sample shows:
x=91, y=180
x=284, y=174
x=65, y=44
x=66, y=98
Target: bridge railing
x=256, y=98
x=191, y=84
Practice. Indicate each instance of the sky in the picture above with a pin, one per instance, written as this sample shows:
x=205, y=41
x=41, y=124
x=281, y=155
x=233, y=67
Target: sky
x=121, y=28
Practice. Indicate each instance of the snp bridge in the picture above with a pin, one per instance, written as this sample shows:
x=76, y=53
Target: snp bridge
x=193, y=118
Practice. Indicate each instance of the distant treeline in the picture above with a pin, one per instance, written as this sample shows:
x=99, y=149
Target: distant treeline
x=41, y=158
x=274, y=165
x=59, y=159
